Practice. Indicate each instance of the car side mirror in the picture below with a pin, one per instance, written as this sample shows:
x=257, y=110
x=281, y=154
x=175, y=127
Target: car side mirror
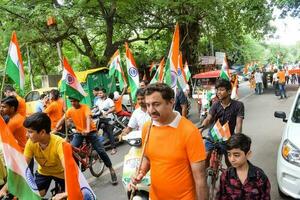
x=281, y=115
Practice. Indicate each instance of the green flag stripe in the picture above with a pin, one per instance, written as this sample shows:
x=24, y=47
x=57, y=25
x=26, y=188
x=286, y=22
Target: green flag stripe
x=19, y=187
x=12, y=71
x=70, y=91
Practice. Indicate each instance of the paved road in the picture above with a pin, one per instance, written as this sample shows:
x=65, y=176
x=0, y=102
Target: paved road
x=259, y=124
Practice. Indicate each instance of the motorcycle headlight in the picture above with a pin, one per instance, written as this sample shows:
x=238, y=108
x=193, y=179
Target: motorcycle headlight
x=290, y=153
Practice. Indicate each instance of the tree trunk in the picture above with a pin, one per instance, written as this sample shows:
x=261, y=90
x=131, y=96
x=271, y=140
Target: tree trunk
x=189, y=39
x=90, y=51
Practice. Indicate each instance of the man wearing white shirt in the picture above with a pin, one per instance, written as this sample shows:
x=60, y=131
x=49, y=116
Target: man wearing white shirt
x=275, y=82
x=139, y=116
x=107, y=107
x=258, y=76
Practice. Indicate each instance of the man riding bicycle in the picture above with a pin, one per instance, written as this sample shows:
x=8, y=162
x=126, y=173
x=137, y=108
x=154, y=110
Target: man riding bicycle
x=80, y=114
x=47, y=150
x=225, y=110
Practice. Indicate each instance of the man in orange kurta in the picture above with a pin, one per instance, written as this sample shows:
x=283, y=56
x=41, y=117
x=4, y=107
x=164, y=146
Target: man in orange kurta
x=10, y=91
x=55, y=109
x=174, y=153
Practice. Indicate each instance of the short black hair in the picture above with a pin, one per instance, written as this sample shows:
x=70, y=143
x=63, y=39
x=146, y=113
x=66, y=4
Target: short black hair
x=166, y=91
x=145, y=81
x=43, y=96
x=96, y=89
x=9, y=88
x=111, y=95
x=38, y=121
x=11, y=101
x=239, y=141
x=102, y=90
x=140, y=92
x=55, y=94
x=223, y=83
x=73, y=99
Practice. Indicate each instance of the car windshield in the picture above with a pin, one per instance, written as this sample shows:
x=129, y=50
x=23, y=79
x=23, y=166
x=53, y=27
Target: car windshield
x=296, y=113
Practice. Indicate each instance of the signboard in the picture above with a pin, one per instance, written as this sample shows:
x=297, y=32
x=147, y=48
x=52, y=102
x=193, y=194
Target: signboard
x=219, y=58
x=207, y=60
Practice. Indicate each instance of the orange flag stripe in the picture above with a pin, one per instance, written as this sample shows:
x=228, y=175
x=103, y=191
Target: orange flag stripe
x=71, y=174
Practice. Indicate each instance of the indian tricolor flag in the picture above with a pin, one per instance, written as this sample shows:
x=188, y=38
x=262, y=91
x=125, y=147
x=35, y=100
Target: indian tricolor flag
x=234, y=91
x=225, y=71
x=152, y=68
x=115, y=69
x=187, y=71
x=133, y=73
x=76, y=184
x=14, y=63
x=170, y=76
x=159, y=74
x=19, y=178
x=70, y=84
x=181, y=79
x=219, y=132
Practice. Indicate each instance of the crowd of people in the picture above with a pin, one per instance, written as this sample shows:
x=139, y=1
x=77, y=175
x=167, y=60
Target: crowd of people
x=175, y=151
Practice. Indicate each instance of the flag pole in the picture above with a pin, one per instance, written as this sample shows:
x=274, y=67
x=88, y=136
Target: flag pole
x=66, y=126
x=143, y=154
x=3, y=82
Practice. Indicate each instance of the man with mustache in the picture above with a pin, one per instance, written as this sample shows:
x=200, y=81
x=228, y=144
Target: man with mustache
x=174, y=153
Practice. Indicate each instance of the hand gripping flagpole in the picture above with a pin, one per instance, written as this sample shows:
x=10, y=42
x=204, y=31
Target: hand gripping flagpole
x=143, y=153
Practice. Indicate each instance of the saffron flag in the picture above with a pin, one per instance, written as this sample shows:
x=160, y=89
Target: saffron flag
x=219, y=132
x=19, y=178
x=152, y=68
x=115, y=69
x=225, y=73
x=187, y=71
x=158, y=76
x=170, y=76
x=133, y=73
x=14, y=63
x=76, y=184
x=70, y=84
x=234, y=92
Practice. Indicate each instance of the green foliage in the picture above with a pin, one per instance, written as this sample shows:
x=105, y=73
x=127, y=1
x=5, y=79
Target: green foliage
x=90, y=31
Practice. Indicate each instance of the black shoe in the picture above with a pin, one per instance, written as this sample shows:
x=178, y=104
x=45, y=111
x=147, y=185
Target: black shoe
x=114, y=180
x=82, y=168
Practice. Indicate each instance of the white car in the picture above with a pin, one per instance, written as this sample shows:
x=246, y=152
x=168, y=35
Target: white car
x=288, y=158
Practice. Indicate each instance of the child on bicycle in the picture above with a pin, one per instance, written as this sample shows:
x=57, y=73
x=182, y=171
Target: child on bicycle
x=242, y=180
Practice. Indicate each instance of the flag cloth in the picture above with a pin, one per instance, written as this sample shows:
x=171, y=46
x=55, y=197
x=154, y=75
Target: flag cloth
x=76, y=184
x=158, y=76
x=170, y=76
x=14, y=64
x=152, y=68
x=70, y=84
x=225, y=73
x=234, y=91
x=115, y=69
x=181, y=80
x=20, y=181
x=219, y=132
x=133, y=73
x=187, y=71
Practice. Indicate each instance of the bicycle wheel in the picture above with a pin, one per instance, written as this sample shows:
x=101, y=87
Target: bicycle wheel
x=211, y=182
x=96, y=164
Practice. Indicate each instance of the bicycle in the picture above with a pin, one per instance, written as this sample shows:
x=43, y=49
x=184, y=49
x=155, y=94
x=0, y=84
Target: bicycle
x=215, y=166
x=86, y=156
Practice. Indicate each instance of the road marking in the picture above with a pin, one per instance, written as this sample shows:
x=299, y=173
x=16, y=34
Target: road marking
x=106, y=172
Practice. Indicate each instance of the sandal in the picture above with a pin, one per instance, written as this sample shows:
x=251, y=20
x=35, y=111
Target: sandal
x=113, y=151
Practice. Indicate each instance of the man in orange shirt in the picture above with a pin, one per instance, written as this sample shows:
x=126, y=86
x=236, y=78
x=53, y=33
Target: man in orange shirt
x=54, y=109
x=281, y=82
x=175, y=152
x=80, y=114
x=10, y=91
x=9, y=106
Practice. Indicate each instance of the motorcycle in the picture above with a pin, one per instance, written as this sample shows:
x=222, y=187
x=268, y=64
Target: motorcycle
x=131, y=163
x=118, y=123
